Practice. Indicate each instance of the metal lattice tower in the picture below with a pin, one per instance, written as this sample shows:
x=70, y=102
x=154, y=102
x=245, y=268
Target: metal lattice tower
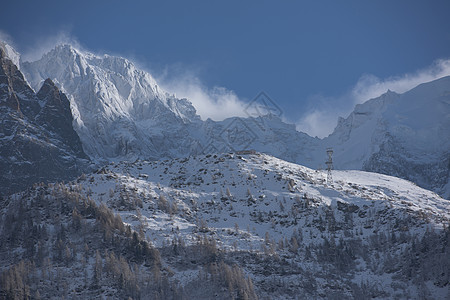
x=329, y=164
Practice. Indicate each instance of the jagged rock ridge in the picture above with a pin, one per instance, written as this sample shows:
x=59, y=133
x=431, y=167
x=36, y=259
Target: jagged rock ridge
x=120, y=112
x=37, y=140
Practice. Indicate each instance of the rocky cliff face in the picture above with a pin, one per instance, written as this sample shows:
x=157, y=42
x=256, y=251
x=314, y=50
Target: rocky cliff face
x=37, y=142
x=396, y=160
x=56, y=116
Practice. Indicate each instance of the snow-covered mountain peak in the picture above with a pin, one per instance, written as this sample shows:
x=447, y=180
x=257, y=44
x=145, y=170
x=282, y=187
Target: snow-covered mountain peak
x=404, y=135
x=10, y=53
x=423, y=108
x=420, y=118
x=114, y=104
x=364, y=119
x=121, y=88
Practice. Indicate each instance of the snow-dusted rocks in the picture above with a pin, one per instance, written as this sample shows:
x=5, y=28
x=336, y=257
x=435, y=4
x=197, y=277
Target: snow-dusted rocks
x=224, y=189
x=223, y=226
x=360, y=230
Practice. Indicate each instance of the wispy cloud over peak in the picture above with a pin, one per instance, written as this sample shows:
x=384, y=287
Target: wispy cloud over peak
x=217, y=103
x=370, y=86
x=322, y=118
x=43, y=45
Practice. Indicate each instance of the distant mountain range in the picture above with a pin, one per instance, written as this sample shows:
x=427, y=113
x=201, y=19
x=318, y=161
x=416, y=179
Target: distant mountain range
x=120, y=113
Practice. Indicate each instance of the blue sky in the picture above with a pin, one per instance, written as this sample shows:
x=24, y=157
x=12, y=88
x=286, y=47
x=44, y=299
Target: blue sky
x=315, y=59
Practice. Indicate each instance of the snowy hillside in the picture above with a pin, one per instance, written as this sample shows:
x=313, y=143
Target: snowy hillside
x=227, y=226
x=260, y=205
x=208, y=187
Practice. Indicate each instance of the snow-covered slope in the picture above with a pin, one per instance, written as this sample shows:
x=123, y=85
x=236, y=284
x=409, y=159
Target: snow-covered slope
x=245, y=185
x=223, y=226
x=261, y=204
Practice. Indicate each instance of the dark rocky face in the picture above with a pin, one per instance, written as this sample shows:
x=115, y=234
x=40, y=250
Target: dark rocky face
x=37, y=140
x=15, y=93
x=56, y=116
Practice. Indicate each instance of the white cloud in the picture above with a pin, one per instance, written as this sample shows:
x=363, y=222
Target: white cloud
x=42, y=45
x=317, y=123
x=5, y=37
x=321, y=119
x=217, y=103
x=11, y=52
x=369, y=86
